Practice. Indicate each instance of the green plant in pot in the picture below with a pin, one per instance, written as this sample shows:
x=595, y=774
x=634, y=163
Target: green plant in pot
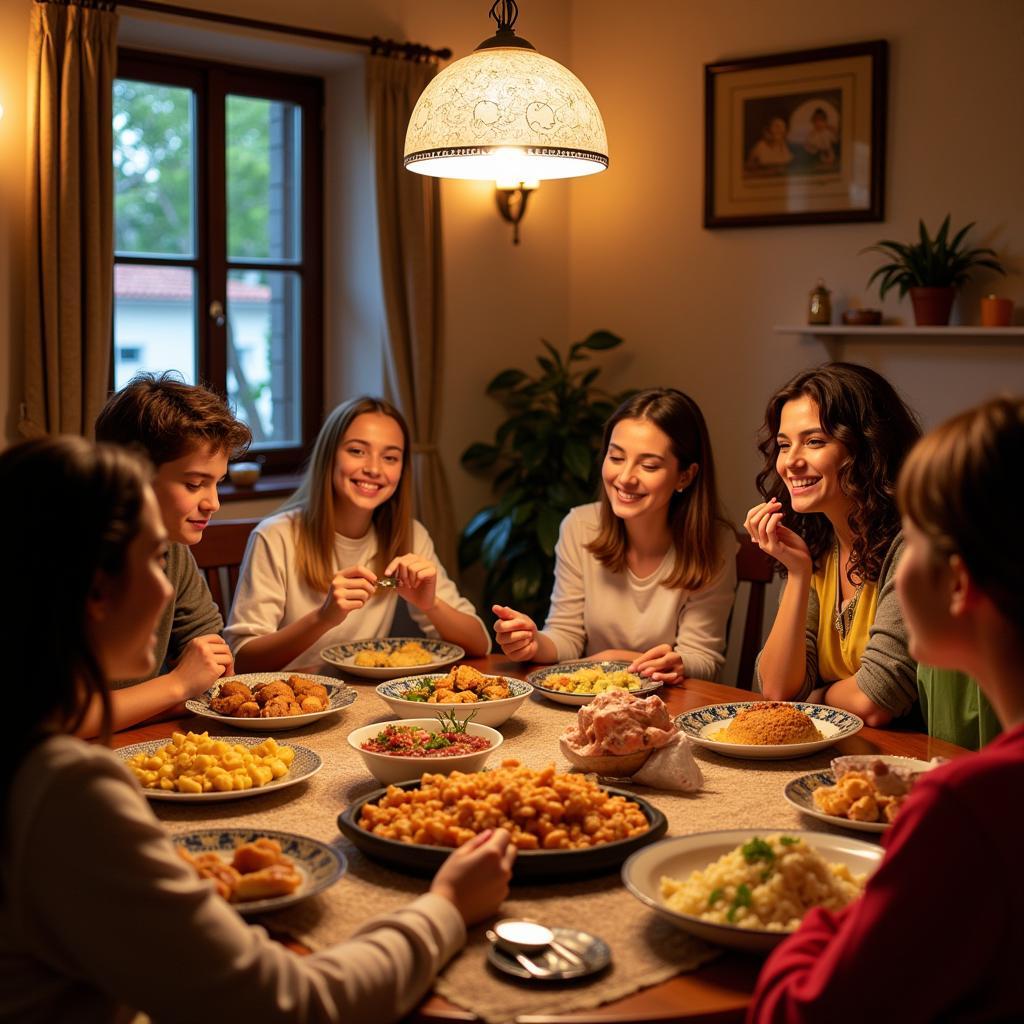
x=931, y=269
x=544, y=460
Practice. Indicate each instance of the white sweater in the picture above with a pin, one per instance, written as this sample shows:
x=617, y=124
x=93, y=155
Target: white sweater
x=593, y=608
x=98, y=914
x=272, y=593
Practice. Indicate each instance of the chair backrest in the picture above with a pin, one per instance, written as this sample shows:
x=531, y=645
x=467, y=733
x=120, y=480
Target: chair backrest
x=753, y=566
x=219, y=557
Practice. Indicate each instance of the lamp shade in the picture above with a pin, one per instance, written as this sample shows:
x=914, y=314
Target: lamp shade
x=506, y=113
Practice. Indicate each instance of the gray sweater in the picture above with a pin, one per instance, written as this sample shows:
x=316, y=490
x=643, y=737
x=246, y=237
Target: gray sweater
x=189, y=613
x=887, y=673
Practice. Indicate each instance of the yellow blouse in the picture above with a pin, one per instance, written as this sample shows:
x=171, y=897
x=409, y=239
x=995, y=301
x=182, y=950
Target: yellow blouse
x=839, y=656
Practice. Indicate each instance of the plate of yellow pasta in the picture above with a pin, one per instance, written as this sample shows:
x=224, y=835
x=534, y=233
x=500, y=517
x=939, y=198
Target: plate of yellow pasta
x=198, y=767
x=392, y=657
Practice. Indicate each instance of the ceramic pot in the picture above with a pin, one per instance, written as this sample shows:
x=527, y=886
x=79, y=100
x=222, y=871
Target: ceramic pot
x=932, y=305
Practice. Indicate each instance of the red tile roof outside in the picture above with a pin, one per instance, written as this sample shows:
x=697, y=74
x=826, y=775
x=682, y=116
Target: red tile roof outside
x=174, y=284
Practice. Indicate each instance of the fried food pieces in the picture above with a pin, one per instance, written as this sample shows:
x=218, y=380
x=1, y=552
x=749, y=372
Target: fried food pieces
x=276, y=699
x=543, y=810
x=259, y=870
x=866, y=789
x=465, y=685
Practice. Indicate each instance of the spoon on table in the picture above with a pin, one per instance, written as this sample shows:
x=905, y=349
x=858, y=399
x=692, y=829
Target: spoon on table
x=524, y=961
x=531, y=936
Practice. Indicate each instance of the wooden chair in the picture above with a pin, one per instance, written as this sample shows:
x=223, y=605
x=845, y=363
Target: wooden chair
x=753, y=566
x=219, y=557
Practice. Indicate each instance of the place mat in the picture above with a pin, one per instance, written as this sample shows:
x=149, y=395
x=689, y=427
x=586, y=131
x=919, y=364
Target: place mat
x=645, y=948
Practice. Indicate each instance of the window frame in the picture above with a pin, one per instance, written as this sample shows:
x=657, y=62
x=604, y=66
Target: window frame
x=211, y=83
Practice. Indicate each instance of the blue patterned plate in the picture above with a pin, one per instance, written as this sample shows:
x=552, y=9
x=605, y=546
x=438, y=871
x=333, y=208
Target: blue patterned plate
x=319, y=865
x=799, y=792
x=305, y=764
x=537, y=679
x=343, y=656
x=484, y=712
x=702, y=724
x=339, y=696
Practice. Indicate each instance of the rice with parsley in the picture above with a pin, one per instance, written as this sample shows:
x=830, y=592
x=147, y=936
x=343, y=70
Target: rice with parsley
x=767, y=884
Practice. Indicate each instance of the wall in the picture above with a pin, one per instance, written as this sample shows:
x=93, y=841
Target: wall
x=500, y=299
x=696, y=306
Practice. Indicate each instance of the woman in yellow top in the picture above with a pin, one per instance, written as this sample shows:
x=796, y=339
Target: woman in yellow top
x=834, y=439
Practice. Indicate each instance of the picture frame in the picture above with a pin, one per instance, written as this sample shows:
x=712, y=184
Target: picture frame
x=796, y=138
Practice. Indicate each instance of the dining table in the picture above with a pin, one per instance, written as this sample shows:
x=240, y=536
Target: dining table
x=658, y=973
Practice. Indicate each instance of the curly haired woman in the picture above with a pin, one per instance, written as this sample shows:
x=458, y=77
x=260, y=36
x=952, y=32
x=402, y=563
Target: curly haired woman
x=833, y=440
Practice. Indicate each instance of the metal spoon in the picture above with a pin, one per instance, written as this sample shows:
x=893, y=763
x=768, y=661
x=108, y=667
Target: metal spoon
x=525, y=962
x=531, y=936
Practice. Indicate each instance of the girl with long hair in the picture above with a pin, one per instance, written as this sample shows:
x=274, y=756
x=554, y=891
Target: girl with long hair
x=833, y=441
x=95, y=898
x=310, y=574
x=952, y=856
x=647, y=572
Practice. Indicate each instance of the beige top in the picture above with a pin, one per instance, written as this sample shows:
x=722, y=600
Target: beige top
x=272, y=593
x=99, y=917
x=593, y=608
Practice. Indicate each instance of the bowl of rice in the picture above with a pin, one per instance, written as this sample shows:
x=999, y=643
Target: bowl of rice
x=748, y=889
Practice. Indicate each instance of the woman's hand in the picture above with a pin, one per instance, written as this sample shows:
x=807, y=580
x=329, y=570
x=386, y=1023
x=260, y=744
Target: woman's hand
x=764, y=524
x=350, y=590
x=417, y=580
x=204, y=660
x=475, y=876
x=516, y=633
x=661, y=664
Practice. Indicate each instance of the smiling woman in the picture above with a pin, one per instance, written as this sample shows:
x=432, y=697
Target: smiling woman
x=833, y=441
x=645, y=574
x=310, y=575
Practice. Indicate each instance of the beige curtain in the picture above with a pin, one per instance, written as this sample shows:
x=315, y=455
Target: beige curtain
x=71, y=217
x=409, y=222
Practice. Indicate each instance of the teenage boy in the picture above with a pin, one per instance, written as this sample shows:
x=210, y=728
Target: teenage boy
x=189, y=433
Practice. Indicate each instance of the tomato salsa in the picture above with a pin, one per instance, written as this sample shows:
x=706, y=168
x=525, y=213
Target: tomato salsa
x=412, y=741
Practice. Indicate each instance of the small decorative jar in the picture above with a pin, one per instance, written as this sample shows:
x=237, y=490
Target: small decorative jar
x=819, y=309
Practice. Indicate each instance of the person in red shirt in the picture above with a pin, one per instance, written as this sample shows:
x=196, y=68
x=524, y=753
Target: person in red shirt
x=939, y=931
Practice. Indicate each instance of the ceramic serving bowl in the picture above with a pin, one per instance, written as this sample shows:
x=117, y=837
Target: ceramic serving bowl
x=390, y=768
x=618, y=766
x=484, y=712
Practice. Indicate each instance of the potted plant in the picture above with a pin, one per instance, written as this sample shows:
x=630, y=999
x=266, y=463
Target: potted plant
x=544, y=461
x=931, y=269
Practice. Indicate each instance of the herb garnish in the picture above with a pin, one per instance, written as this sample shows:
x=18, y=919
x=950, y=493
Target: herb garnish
x=716, y=895
x=741, y=899
x=788, y=840
x=757, y=849
x=450, y=722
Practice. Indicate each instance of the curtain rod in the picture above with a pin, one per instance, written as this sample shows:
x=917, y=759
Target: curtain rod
x=385, y=47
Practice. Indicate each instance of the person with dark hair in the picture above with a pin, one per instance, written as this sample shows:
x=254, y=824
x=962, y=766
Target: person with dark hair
x=96, y=902
x=309, y=577
x=647, y=572
x=952, y=856
x=188, y=433
x=833, y=441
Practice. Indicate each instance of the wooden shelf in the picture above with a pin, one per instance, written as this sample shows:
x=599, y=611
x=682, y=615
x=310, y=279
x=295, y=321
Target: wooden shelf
x=897, y=330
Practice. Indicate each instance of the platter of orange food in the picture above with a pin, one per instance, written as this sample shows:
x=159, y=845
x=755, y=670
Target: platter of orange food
x=563, y=824
x=258, y=870
x=272, y=701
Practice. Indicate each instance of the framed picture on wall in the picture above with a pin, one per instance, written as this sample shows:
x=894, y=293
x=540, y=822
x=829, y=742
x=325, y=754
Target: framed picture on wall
x=796, y=138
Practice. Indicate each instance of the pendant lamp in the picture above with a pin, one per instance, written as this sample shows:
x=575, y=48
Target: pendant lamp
x=506, y=113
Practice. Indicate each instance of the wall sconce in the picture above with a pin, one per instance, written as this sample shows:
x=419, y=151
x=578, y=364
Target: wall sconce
x=511, y=197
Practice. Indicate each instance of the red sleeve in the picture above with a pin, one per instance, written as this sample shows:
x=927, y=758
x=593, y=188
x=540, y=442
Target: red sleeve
x=891, y=956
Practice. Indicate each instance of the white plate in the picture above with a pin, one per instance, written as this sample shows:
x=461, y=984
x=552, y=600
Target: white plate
x=679, y=857
x=343, y=656
x=339, y=695
x=833, y=723
x=485, y=712
x=536, y=679
x=391, y=768
x=319, y=865
x=798, y=793
x=305, y=764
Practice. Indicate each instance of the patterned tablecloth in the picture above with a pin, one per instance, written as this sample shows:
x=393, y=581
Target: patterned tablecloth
x=645, y=949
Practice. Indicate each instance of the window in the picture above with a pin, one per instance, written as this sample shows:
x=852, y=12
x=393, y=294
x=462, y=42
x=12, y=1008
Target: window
x=218, y=238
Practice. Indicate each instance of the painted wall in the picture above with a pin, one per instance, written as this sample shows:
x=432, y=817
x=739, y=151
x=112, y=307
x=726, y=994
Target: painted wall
x=697, y=307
